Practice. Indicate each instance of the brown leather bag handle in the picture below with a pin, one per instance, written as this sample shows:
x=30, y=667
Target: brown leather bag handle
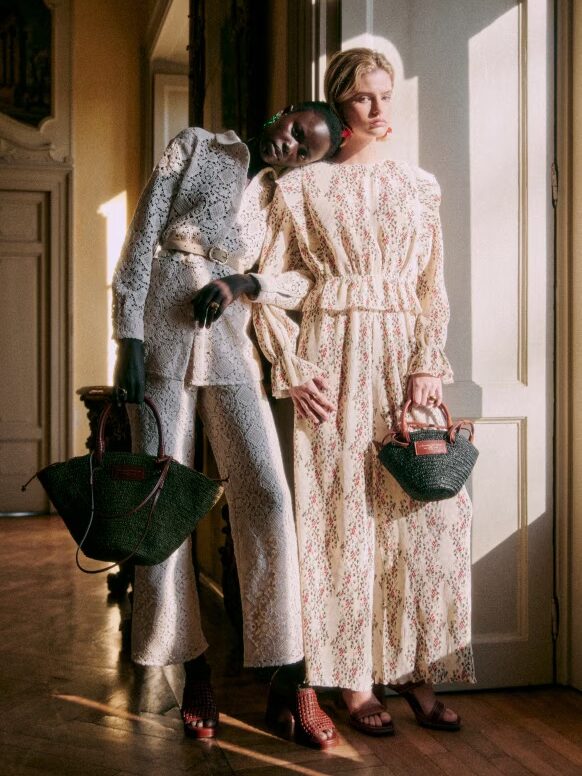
x=404, y=429
x=100, y=446
x=461, y=425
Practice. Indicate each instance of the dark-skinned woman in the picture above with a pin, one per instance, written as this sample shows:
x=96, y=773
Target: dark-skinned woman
x=200, y=220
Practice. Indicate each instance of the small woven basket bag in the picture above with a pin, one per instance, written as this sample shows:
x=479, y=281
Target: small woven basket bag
x=430, y=462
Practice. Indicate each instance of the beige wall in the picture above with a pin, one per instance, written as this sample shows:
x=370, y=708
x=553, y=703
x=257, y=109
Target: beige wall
x=107, y=126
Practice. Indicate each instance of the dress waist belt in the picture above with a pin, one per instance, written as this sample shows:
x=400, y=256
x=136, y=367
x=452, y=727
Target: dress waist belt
x=212, y=253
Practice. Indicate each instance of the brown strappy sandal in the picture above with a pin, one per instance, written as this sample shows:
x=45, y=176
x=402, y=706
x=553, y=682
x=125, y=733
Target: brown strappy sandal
x=300, y=717
x=199, y=705
x=370, y=709
x=434, y=719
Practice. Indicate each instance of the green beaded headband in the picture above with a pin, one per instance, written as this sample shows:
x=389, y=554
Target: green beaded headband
x=276, y=116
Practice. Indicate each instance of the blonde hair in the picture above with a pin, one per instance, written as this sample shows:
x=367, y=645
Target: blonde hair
x=344, y=71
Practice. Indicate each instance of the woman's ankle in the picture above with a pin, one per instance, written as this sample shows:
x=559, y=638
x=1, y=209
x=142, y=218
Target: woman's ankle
x=355, y=698
x=290, y=675
x=197, y=668
x=402, y=687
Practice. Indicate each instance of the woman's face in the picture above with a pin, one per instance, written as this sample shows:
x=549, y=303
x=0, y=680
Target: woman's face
x=367, y=112
x=295, y=139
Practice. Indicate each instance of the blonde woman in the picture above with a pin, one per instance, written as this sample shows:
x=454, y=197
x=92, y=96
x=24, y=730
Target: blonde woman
x=355, y=242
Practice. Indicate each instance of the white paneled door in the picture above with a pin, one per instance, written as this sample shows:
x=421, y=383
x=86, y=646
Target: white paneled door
x=474, y=105
x=34, y=394
x=23, y=322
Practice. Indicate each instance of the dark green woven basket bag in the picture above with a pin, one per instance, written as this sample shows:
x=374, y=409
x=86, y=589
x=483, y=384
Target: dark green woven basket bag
x=430, y=463
x=119, y=506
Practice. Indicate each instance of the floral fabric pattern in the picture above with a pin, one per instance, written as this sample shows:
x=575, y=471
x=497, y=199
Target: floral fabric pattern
x=385, y=580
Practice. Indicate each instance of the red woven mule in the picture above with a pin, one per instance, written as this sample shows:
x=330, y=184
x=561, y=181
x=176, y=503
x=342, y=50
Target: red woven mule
x=300, y=716
x=312, y=720
x=199, y=705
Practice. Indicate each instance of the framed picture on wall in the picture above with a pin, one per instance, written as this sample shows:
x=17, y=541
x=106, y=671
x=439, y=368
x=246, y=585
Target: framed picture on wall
x=26, y=60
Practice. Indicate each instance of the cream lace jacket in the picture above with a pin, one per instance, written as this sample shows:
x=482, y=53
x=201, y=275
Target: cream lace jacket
x=196, y=199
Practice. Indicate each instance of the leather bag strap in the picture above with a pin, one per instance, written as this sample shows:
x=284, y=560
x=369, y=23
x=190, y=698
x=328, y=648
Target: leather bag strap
x=165, y=462
x=405, y=426
x=100, y=446
x=462, y=425
x=401, y=435
x=155, y=493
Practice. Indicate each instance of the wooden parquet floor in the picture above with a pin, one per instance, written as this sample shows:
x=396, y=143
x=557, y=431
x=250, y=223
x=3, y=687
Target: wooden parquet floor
x=72, y=704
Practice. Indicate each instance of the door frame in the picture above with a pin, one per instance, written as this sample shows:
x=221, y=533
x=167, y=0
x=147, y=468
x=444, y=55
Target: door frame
x=568, y=363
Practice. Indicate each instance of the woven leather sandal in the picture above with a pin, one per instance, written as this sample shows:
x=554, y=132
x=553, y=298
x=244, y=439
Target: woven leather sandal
x=299, y=717
x=199, y=705
x=434, y=719
x=312, y=720
x=370, y=709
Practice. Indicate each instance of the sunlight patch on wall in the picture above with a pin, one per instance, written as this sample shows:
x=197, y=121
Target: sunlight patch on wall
x=404, y=140
x=494, y=119
x=114, y=211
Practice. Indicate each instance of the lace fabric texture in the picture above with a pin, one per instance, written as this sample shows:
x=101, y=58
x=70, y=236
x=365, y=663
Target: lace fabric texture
x=198, y=198
x=385, y=580
x=239, y=425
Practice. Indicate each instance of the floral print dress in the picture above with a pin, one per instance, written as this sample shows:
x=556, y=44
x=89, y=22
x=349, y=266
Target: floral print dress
x=385, y=579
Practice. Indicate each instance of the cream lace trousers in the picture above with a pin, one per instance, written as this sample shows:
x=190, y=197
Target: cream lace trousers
x=239, y=425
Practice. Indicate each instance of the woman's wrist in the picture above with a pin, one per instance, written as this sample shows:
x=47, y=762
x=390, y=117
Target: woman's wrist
x=253, y=286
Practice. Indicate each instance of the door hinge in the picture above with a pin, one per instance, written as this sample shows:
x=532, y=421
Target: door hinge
x=554, y=174
x=555, y=618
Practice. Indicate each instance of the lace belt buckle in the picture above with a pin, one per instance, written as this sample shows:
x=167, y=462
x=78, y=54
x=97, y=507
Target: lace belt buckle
x=218, y=255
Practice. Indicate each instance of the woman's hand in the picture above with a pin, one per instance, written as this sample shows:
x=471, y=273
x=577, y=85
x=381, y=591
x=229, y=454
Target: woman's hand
x=310, y=402
x=129, y=374
x=212, y=300
x=425, y=390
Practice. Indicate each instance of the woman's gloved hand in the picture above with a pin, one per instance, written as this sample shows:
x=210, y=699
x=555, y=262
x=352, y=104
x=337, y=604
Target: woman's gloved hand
x=212, y=300
x=129, y=374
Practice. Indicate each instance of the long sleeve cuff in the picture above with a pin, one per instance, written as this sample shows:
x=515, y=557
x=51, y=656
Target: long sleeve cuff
x=126, y=323
x=287, y=290
x=431, y=360
x=289, y=371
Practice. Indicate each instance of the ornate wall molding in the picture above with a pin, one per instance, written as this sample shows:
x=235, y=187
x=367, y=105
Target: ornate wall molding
x=50, y=142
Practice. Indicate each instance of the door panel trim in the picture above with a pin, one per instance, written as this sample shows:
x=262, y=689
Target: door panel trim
x=56, y=386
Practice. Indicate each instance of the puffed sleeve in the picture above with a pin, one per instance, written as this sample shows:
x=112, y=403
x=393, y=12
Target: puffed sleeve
x=263, y=218
x=283, y=279
x=253, y=216
x=285, y=282
x=431, y=324
x=131, y=278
